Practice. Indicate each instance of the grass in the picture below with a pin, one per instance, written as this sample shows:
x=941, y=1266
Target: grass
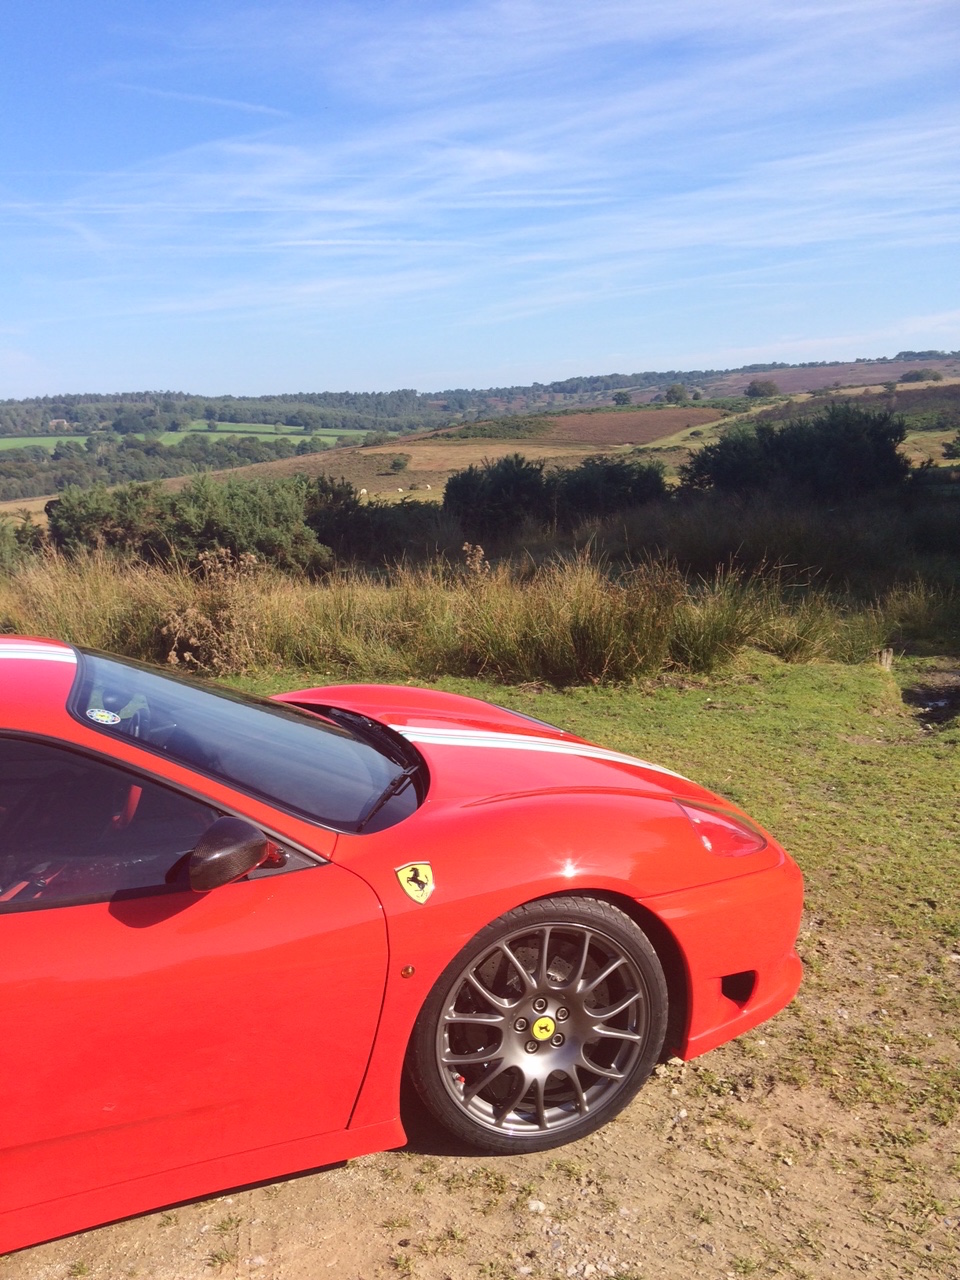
x=262, y=432
x=565, y=622
x=221, y=1258
x=45, y=442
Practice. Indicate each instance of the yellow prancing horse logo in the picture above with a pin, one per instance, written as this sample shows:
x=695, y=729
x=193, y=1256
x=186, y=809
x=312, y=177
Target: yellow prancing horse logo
x=543, y=1028
x=416, y=880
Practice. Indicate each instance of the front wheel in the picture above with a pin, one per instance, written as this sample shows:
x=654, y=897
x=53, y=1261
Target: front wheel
x=542, y=1028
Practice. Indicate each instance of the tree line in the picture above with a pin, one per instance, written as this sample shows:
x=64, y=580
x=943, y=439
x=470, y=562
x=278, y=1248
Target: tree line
x=399, y=410
x=110, y=459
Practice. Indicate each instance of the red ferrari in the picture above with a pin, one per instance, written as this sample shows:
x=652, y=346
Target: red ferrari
x=230, y=925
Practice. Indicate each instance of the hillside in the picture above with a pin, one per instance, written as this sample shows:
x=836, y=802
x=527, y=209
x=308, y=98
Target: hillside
x=669, y=433
x=792, y=379
x=410, y=410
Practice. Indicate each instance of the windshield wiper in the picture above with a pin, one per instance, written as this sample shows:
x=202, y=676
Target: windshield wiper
x=380, y=736
x=396, y=784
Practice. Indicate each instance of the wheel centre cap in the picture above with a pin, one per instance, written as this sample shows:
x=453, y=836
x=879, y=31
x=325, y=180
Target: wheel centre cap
x=543, y=1028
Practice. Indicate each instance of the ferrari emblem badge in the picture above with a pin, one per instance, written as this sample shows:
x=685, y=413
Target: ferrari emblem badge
x=543, y=1028
x=416, y=880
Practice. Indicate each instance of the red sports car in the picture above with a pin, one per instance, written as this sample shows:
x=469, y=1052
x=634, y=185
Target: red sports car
x=229, y=925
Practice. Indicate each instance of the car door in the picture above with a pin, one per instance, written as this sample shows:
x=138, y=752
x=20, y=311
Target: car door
x=146, y=1027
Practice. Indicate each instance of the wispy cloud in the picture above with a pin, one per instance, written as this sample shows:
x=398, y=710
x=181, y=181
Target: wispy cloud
x=201, y=99
x=518, y=157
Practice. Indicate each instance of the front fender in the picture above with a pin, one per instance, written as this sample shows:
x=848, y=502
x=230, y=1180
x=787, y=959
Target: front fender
x=490, y=857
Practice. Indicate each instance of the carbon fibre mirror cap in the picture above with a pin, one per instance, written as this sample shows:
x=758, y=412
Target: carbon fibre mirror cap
x=228, y=850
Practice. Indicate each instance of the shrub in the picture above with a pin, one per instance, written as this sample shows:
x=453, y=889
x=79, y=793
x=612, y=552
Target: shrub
x=493, y=500
x=602, y=485
x=922, y=375
x=496, y=499
x=759, y=387
x=262, y=518
x=842, y=451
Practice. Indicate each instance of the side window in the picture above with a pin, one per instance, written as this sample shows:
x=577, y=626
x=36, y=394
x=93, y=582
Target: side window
x=75, y=830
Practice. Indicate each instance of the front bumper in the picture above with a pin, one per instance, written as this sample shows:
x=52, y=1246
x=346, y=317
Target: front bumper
x=738, y=940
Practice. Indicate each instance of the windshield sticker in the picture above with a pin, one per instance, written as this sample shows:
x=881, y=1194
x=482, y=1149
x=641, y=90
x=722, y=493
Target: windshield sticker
x=102, y=716
x=416, y=880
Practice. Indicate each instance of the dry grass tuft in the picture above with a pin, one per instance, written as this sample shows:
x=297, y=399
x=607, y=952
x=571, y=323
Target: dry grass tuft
x=569, y=621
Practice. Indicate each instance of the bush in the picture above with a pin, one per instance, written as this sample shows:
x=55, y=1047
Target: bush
x=759, y=387
x=494, y=500
x=841, y=452
x=922, y=375
x=262, y=518
x=601, y=486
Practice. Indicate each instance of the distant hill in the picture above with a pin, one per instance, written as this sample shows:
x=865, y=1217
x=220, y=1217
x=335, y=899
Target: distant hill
x=409, y=410
x=562, y=434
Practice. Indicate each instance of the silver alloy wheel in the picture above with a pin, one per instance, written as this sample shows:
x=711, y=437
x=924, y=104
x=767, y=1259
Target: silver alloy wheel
x=543, y=1027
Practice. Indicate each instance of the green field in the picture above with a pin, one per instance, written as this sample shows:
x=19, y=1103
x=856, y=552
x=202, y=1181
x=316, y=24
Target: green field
x=45, y=442
x=260, y=432
x=224, y=429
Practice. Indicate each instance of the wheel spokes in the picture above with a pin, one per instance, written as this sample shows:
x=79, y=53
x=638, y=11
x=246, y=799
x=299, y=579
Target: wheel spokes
x=608, y=1073
x=475, y=1019
x=497, y=1068
x=614, y=1033
x=577, y=978
x=583, y=1106
x=517, y=1094
x=485, y=993
x=529, y=983
x=472, y=1057
x=489, y=1047
x=539, y=1101
x=603, y=975
x=611, y=1011
x=544, y=965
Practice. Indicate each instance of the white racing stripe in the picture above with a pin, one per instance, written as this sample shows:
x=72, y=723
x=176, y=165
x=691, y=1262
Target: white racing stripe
x=488, y=738
x=37, y=652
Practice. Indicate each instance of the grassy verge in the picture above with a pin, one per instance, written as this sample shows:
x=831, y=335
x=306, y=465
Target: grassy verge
x=565, y=622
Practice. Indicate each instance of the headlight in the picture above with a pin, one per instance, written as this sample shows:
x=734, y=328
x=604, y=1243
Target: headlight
x=722, y=833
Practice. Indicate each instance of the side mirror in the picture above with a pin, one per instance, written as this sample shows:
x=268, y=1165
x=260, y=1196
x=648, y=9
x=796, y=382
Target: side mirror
x=227, y=850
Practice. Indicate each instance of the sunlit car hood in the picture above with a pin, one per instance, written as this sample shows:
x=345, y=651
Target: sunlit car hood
x=472, y=746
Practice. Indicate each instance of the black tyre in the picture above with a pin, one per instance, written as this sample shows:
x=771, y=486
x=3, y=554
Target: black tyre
x=542, y=1028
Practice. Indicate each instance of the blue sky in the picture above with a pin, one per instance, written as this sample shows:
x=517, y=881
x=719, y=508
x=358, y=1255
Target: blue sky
x=222, y=197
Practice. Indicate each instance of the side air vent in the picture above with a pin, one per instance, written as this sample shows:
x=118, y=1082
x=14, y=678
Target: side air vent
x=738, y=987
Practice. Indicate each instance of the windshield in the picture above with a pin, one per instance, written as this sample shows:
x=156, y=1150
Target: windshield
x=323, y=771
